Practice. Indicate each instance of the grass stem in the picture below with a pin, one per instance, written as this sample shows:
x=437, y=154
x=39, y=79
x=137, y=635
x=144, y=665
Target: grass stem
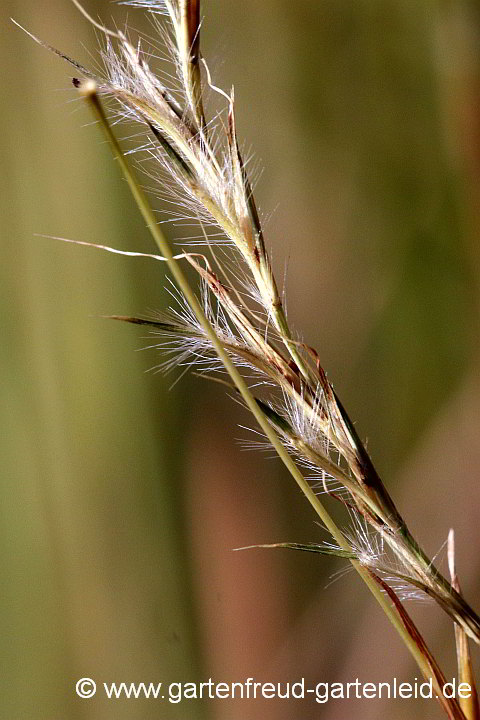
x=89, y=90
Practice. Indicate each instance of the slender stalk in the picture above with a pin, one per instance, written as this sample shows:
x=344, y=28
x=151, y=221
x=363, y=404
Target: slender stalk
x=89, y=91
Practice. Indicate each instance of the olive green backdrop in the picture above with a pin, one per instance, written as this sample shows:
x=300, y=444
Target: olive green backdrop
x=121, y=499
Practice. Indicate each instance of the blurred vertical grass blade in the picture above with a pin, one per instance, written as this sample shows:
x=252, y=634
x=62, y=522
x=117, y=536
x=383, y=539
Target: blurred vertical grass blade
x=96, y=570
x=421, y=344
x=378, y=117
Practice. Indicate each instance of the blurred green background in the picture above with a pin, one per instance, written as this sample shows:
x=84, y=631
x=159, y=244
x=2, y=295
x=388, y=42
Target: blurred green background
x=121, y=499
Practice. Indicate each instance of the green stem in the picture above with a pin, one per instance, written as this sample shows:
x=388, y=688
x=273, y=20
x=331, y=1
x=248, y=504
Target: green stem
x=89, y=91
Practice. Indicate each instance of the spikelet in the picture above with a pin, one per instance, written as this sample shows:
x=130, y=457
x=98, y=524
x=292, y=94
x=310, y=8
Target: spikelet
x=293, y=397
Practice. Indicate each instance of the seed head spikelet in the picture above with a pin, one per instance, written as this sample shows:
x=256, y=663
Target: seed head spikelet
x=237, y=321
x=212, y=177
